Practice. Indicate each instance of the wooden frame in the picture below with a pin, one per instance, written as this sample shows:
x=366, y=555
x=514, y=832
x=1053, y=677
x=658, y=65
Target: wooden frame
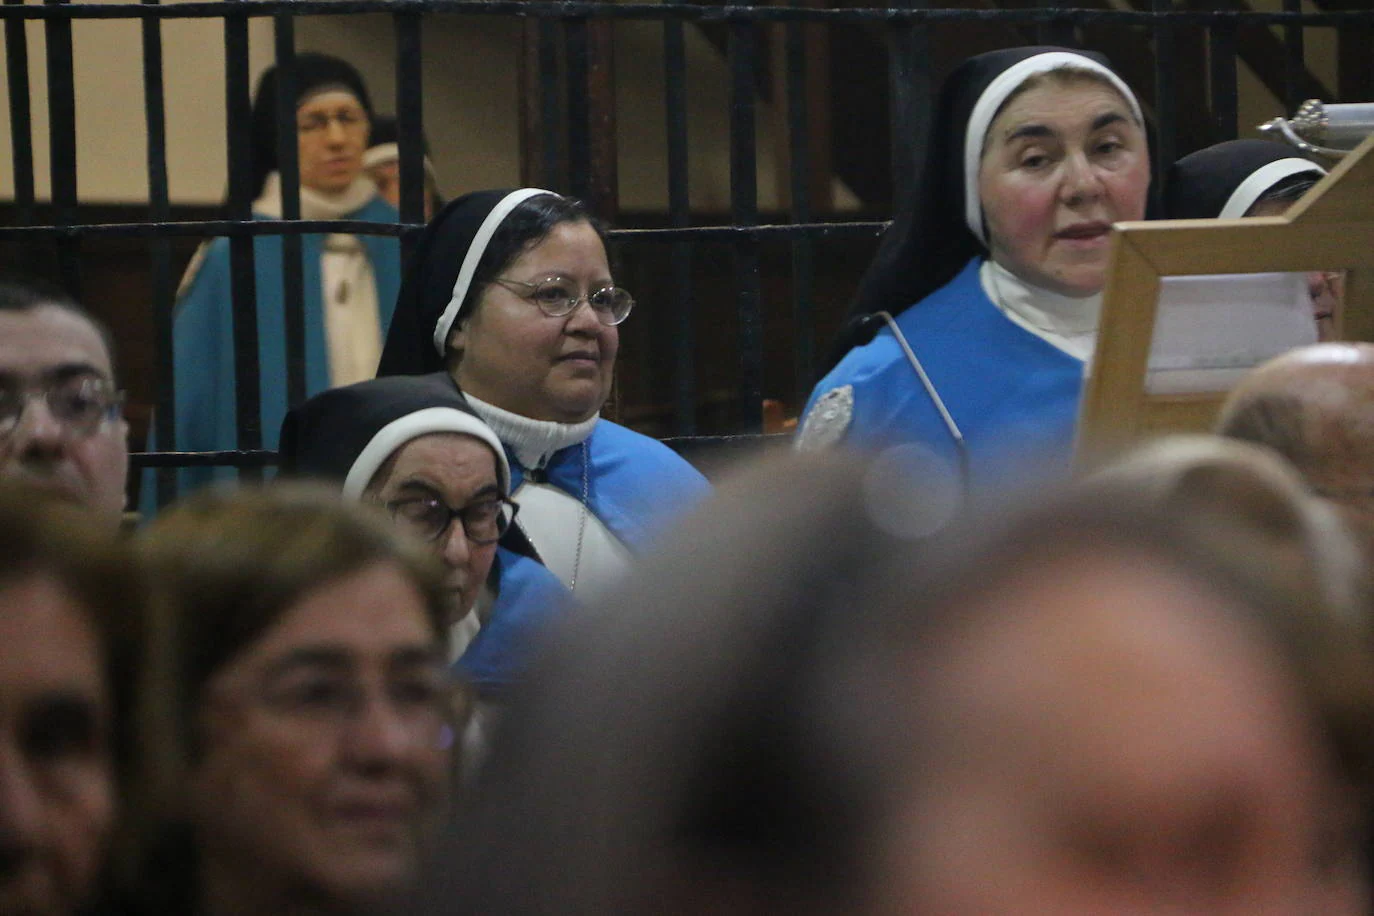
x=1330, y=228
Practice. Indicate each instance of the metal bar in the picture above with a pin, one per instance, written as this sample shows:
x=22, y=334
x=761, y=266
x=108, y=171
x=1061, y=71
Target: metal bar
x=232, y=229
x=803, y=252
x=160, y=249
x=243, y=282
x=744, y=211
x=684, y=11
x=679, y=217
x=604, y=176
x=246, y=458
x=911, y=90
x=1166, y=105
x=62, y=144
x=579, y=113
x=550, y=113
x=1221, y=55
x=1294, y=58
x=410, y=125
x=288, y=166
x=21, y=117
x=1059, y=29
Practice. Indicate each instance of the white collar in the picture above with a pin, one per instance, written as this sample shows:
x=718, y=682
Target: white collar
x=317, y=204
x=1067, y=322
x=533, y=441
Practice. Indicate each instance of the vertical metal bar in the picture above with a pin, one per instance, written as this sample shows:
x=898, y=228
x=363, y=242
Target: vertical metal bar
x=604, y=176
x=1294, y=58
x=62, y=139
x=910, y=90
x=243, y=281
x=679, y=216
x=288, y=166
x=1221, y=55
x=159, y=210
x=579, y=137
x=410, y=126
x=550, y=114
x=1057, y=31
x=1166, y=105
x=21, y=136
x=799, y=154
x=744, y=212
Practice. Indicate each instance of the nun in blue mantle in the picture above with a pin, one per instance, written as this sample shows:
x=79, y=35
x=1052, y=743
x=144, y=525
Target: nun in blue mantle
x=350, y=282
x=972, y=327
x=511, y=294
x=413, y=446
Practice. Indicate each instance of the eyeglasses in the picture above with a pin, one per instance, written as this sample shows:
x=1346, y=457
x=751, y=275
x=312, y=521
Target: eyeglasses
x=348, y=118
x=428, y=518
x=558, y=296
x=80, y=404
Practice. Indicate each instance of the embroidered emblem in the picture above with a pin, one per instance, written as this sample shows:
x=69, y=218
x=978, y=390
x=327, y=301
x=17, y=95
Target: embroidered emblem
x=827, y=420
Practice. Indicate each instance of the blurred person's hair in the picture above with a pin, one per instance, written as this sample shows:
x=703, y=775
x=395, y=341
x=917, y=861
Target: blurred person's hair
x=226, y=565
x=727, y=727
x=1244, y=502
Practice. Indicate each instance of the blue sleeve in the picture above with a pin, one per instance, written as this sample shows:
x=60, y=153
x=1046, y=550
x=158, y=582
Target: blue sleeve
x=529, y=599
x=203, y=373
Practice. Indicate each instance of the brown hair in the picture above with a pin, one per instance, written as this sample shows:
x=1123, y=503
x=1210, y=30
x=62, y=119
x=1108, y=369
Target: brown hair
x=226, y=565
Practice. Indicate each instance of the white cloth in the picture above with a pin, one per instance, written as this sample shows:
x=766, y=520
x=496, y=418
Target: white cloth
x=352, y=325
x=1065, y=322
x=553, y=519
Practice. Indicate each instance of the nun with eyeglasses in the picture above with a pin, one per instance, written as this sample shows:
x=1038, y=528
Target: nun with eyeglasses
x=413, y=447
x=511, y=296
x=973, y=326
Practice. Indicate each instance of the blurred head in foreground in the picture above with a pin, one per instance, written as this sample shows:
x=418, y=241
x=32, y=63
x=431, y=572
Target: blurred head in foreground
x=1315, y=406
x=308, y=722
x=1090, y=710
x=70, y=603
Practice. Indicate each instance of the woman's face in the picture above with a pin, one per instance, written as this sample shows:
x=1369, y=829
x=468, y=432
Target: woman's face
x=1061, y=163
x=521, y=360
x=324, y=745
x=332, y=129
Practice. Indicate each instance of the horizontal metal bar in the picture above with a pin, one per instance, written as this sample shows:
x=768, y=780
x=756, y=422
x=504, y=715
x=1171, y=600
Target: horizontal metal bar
x=232, y=229
x=218, y=9
x=254, y=458
x=258, y=458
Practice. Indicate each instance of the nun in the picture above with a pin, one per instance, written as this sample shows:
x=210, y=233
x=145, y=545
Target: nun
x=349, y=282
x=510, y=294
x=413, y=446
x=972, y=327
x=1251, y=178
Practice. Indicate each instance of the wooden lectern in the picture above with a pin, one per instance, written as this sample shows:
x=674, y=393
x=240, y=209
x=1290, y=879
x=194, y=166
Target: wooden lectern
x=1330, y=228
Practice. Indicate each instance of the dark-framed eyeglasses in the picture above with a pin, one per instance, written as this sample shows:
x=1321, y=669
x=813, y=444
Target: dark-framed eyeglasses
x=81, y=404
x=428, y=517
x=559, y=296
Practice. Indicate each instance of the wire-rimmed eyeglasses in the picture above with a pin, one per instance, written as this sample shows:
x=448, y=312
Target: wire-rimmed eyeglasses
x=80, y=404
x=428, y=517
x=558, y=296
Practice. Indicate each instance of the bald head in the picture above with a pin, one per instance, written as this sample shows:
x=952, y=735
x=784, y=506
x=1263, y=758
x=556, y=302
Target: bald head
x=1315, y=406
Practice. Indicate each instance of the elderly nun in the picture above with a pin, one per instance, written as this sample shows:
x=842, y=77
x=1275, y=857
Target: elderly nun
x=413, y=446
x=985, y=291
x=349, y=282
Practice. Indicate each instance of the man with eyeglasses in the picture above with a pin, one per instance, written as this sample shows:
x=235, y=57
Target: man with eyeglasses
x=412, y=446
x=62, y=429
